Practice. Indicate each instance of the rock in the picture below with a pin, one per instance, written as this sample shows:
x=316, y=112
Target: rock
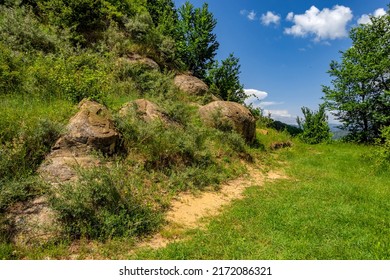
x=146, y=111
x=191, y=85
x=92, y=128
x=136, y=59
x=225, y=114
x=32, y=222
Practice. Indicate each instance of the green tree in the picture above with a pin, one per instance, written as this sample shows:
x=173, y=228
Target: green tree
x=164, y=16
x=224, y=80
x=359, y=95
x=314, y=125
x=197, y=44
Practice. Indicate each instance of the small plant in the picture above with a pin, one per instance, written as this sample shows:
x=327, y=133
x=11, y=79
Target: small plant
x=314, y=125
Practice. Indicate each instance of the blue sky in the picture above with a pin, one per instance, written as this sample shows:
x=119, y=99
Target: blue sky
x=285, y=46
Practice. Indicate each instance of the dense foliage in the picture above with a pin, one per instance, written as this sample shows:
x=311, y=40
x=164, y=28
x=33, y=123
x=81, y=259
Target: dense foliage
x=314, y=125
x=360, y=92
x=197, y=43
x=224, y=80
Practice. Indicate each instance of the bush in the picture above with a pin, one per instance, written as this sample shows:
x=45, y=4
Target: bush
x=11, y=70
x=314, y=125
x=382, y=155
x=104, y=204
x=72, y=77
x=19, y=189
x=24, y=153
x=21, y=30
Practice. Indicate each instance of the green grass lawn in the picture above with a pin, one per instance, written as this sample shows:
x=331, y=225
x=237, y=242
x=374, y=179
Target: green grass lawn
x=335, y=205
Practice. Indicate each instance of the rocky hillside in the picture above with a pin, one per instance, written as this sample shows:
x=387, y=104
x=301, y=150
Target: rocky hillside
x=106, y=117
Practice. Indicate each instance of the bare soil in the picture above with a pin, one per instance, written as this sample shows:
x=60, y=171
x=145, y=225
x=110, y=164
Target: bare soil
x=189, y=211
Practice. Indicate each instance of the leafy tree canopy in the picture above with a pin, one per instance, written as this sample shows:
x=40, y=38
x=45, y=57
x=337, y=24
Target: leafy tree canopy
x=197, y=44
x=225, y=81
x=360, y=95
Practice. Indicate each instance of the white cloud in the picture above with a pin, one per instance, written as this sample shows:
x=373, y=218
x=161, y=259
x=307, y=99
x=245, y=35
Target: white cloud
x=324, y=24
x=270, y=18
x=254, y=96
x=251, y=15
x=365, y=19
x=281, y=115
x=290, y=16
x=269, y=103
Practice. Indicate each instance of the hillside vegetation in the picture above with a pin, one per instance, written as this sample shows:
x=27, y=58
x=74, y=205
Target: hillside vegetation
x=56, y=56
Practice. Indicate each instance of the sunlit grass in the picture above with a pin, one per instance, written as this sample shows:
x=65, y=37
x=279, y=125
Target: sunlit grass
x=334, y=206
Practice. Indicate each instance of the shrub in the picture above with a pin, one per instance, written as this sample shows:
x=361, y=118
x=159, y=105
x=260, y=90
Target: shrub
x=72, y=77
x=382, y=155
x=24, y=153
x=20, y=29
x=11, y=70
x=104, y=204
x=314, y=125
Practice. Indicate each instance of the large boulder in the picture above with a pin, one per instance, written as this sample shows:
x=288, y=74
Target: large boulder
x=91, y=129
x=146, y=111
x=136, y=59
x=191, y=85
x=226, y=114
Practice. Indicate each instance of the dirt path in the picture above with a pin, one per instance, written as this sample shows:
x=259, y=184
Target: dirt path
x=189, y=211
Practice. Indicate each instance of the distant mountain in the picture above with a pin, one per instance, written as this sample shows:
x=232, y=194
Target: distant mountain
x=338, y=132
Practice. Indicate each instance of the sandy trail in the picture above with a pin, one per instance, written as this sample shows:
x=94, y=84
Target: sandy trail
x=189, y=210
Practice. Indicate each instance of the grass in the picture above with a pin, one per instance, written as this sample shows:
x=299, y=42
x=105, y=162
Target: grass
x=125, y=200
x=334, y=206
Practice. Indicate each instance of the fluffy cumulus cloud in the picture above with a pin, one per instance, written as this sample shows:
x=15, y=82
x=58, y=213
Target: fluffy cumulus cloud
x=270, y=18
x=366, y=19
x=323, y=24
x=254, y=96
